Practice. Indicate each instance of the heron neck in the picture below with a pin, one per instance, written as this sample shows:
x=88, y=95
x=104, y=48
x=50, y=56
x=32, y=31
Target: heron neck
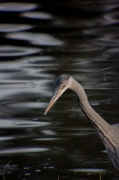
x=93, y=116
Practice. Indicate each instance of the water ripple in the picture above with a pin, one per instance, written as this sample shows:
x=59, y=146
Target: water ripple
x=17, y=51
x=14, y=28
x=112, y=17
x=17, y=6
x=22, y=150
x=89, y=170
x=37, y=15
x=6, y=138
x=15, y=123
x=99, y=6
x=107, y=40
x=28, y=105
x=36, y=38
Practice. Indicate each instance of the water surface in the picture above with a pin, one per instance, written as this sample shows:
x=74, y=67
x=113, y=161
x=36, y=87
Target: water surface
x=38, y=42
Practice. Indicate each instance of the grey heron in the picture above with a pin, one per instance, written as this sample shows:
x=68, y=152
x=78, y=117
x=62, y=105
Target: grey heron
x=108, y=133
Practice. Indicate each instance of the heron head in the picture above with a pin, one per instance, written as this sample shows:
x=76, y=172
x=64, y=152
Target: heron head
x=61, y=85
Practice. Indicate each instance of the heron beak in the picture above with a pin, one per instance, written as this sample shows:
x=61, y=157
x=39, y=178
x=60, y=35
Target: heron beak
x=56, y=95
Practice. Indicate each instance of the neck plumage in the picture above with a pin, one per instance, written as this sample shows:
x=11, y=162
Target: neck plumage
x=107, y=132
x=100, y=124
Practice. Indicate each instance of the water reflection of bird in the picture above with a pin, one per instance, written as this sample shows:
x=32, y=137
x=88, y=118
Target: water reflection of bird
x=109, y=134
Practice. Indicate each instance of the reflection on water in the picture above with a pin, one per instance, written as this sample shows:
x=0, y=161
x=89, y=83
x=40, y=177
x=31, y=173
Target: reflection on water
x=14, y=28
x=43, y=41
x=22, y=150
x=37, y=39
x=16, y=7
x=19, y=123
x=37, y=15
x=6, y=51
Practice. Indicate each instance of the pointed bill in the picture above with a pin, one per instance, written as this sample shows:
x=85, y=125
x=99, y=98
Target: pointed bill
x=54, y=98
x=52, y=101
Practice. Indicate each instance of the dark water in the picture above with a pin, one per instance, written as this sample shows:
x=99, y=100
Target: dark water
x=38, y=42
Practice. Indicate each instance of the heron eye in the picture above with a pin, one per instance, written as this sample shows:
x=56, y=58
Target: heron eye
x=63, y=86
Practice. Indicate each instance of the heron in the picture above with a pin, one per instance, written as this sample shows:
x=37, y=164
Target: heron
x=109, y=134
